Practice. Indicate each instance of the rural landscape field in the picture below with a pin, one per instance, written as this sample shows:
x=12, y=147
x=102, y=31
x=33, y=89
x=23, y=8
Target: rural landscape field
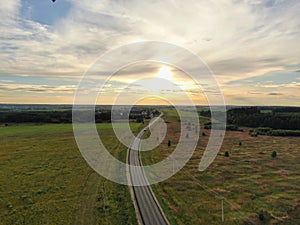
x=249, y=179
x=45, y=180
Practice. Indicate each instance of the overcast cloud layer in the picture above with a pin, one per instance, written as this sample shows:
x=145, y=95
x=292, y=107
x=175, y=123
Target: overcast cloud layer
x=252, y=46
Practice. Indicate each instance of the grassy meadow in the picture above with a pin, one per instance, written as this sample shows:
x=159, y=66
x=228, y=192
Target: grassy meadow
x=45, y=180
x=257, y=189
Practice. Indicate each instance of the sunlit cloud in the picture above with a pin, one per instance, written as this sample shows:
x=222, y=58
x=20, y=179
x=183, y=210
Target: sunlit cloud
x=272, y=85
x=37, y=88
x=246, y=44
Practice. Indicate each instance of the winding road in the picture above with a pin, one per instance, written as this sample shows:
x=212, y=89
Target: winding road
x=147, y=207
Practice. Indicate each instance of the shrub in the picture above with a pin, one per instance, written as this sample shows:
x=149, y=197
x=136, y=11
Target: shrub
x=274, y=154
x=226, y=154
x=253, y=133
x=264, y=216
x=9, y=205
x=40, y=191
x=294, y=133
x=261, y=216
x=271, y=132
x=169, y=143
x=232, y=127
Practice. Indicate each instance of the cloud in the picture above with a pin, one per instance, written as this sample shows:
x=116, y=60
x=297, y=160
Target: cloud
x=8, y=11
x=272, y=85
x=275, y=93
x=279, y=76
x=37, y=88
x=6, y=81
x=93, y=27
x=241, y=41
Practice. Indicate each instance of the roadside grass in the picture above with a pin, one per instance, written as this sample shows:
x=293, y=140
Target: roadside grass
x=249, y=180
x=45, y=180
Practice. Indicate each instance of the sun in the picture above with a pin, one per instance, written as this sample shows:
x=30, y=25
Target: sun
x=165, y=73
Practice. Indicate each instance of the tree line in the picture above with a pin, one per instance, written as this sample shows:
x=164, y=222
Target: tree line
x=280, y=118
x=65, y=116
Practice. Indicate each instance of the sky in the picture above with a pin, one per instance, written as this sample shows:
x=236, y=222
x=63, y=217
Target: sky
x=252, y=48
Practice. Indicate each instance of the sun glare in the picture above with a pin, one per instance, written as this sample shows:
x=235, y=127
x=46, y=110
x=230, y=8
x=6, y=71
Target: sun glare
x=165, y=73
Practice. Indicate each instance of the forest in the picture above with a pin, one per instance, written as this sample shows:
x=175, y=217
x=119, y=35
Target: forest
x=286, y=118
x=272, y=121
x=65, y=116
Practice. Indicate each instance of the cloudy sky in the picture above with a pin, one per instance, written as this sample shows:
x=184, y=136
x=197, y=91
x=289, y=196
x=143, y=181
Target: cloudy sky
x=251, y=46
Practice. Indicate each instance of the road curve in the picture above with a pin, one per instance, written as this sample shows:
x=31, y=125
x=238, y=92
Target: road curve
x=147, y=207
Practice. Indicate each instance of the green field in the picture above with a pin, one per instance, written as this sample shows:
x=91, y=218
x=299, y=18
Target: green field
x=45, y=180
x=249, y=180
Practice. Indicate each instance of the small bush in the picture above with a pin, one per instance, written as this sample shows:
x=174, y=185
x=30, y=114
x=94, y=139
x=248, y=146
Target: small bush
x=23, y=197
x=203, y=134
x=263, y=130
x=274, y=154
x=271, y=132
x=232, y=127
x=264, y=216
x=254, y=135
x=40, y=191
x=9, y=206
x=226, y=154
x=284, y=133
x=240, y=144
x=169, y=143
x=261, y=216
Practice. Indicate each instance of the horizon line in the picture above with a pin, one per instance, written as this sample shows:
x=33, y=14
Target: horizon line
x=68, y=104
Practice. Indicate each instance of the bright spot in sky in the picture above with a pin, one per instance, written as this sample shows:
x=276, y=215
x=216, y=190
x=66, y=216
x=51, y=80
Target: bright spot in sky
x=165, y=73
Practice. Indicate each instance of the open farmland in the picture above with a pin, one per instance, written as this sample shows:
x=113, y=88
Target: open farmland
x=257, y=189
x=45, y=180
